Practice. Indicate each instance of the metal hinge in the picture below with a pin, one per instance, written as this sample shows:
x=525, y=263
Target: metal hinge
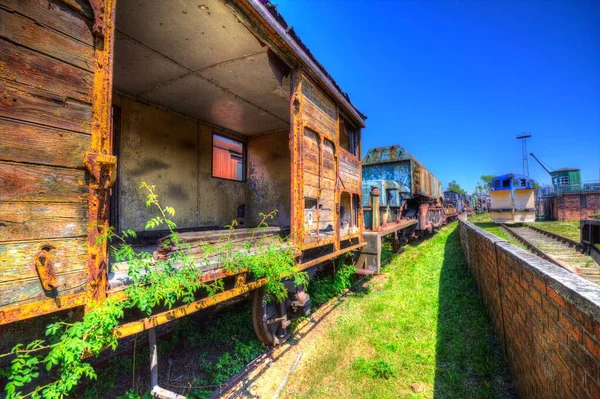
x=99, y=27
x=103, y=168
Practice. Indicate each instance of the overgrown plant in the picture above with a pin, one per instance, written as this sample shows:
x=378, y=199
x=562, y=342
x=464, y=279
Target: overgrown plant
x=322, y=289
x=176, y=279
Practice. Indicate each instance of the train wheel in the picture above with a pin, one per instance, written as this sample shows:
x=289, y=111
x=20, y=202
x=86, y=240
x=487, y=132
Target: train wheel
x=269, y=318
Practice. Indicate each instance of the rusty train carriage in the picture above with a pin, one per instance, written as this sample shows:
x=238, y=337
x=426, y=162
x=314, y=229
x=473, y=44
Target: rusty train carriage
x=99, y=95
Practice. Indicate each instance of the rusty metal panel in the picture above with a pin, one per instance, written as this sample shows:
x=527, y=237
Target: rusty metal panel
x=101, y=165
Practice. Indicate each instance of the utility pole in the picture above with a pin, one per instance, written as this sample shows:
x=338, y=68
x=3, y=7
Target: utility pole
x=523, y=137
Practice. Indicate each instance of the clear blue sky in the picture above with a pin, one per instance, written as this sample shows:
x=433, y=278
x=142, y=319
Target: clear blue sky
x=455, y=81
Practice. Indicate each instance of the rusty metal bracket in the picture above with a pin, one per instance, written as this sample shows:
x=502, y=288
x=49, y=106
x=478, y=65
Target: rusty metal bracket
x=45, y=268
x=99, y=28
x=240, y=280
x=103, y=168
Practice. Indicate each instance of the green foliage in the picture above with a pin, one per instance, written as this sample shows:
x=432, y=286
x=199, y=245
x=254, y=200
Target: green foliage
x=107, y=376
x=487, y=181
x=322, y=289
x=454, y=186
x=269, y=258
x=155, y=283
x=131, y=394
x=374, y=368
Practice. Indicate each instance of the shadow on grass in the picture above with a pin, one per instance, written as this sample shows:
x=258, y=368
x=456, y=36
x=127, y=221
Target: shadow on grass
x=470, y=362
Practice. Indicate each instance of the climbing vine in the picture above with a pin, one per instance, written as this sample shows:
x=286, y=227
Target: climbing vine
x=154, y=282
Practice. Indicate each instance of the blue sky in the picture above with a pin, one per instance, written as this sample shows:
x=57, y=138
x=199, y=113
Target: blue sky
x=455, y=81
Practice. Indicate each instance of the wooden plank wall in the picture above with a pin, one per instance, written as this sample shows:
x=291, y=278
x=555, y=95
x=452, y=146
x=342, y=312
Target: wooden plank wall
x=320, y=118
x=46, y=81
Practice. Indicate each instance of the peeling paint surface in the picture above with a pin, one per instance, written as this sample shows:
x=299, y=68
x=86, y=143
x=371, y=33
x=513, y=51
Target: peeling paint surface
x=269, y=178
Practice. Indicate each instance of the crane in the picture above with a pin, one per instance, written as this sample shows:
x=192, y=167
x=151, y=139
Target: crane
x=541, y=164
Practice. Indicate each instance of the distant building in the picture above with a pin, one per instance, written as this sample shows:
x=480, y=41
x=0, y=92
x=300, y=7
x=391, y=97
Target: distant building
x=568, y=198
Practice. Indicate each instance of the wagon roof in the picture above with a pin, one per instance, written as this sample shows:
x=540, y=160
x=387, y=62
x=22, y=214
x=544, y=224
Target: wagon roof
x=278, y=19
x=566, y=170
x=391, y=153
x=511, y=176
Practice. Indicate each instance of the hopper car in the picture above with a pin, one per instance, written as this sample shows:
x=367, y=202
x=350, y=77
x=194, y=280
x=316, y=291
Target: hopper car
x=400, y=198
x=512, y=199
x=221, y=106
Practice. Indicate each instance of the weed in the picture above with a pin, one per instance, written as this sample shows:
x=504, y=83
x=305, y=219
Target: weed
x=374, y=368
x=322, y=288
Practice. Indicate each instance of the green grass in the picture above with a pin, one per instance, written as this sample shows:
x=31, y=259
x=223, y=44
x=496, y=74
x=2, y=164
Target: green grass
x=568, y=229
x=421, y=324
x=484, y=220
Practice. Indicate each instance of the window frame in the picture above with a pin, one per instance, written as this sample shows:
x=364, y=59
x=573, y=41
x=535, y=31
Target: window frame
x=244, y=157
x=343, y=120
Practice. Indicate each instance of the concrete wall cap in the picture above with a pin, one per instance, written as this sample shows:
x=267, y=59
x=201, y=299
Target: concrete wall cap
x=575, y=289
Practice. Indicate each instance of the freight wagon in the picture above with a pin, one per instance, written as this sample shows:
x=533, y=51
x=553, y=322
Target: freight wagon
x=219, y=104
x=400, y=197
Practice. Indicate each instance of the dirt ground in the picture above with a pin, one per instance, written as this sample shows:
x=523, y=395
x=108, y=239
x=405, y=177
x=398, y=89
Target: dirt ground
x=274, y=377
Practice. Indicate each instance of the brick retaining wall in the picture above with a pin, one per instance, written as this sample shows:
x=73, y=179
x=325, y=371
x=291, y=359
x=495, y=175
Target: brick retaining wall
x=547, y=318
x=576, y=206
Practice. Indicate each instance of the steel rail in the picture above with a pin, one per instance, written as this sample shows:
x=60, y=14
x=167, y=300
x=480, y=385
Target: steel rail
x=558, y=237
x=533, y=248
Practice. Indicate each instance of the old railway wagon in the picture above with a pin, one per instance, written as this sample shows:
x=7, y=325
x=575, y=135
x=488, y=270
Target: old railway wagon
x=401, y=198
x=512, y=199
x=218, y=103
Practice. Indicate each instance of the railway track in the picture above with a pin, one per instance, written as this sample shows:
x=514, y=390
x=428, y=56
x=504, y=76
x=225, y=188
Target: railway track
x=556, y=249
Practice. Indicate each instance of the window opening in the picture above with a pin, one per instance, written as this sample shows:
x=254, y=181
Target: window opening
x=349, y=136
x=228, y=158
x=310, y=203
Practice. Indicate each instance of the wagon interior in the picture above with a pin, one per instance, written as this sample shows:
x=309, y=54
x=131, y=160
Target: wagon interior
x=201, y=111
